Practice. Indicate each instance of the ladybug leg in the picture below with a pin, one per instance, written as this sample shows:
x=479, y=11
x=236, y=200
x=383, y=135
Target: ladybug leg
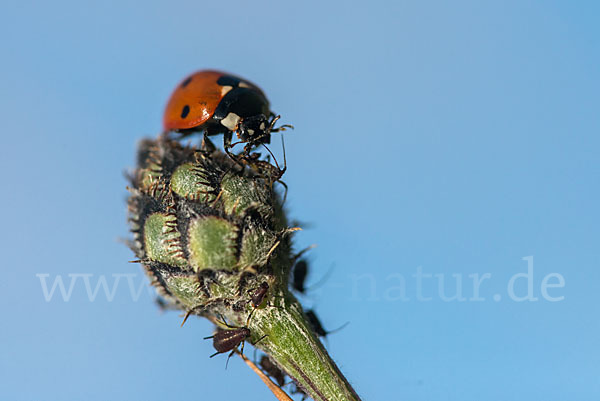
x=248, y=149
x=207, y=145
x=227, y=136
x=227, y=143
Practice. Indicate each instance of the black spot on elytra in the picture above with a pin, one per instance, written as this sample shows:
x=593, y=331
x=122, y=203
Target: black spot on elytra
x=185, y=111
x=186, y=82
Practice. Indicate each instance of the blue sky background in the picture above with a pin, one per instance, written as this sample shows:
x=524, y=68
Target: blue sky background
x=451, y=137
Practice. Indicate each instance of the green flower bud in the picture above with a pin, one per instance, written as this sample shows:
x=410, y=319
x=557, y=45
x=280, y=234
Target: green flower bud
x=213, y=237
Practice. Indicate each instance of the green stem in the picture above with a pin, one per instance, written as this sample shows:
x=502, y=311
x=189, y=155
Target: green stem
x=292, y=345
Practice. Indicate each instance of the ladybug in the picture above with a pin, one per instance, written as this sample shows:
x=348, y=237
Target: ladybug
x=216, y=102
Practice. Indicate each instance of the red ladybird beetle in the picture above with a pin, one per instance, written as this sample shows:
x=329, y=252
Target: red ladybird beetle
x=216, y=102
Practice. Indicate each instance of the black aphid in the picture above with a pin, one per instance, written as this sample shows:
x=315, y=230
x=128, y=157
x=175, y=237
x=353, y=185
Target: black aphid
x=298, y=390
x=316, y=325
x=258, y=295
x=299, y=274
x=228, y=340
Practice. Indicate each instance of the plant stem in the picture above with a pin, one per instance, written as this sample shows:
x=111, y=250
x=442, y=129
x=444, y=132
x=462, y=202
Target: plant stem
x=292, y=345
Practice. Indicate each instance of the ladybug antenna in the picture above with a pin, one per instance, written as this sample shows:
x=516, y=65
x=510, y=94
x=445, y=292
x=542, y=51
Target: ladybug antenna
x=272, y=124
x=273, y=156
x=282, y=128
x=284, y=159
x=281, y=170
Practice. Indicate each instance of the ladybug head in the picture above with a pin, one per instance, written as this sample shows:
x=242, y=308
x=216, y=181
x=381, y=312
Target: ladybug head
x=255, y=129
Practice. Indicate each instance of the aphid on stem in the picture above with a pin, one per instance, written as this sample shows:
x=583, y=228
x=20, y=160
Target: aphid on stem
x=316, y=325
x=299, y=273
x=257, y=297
x=229, y=340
